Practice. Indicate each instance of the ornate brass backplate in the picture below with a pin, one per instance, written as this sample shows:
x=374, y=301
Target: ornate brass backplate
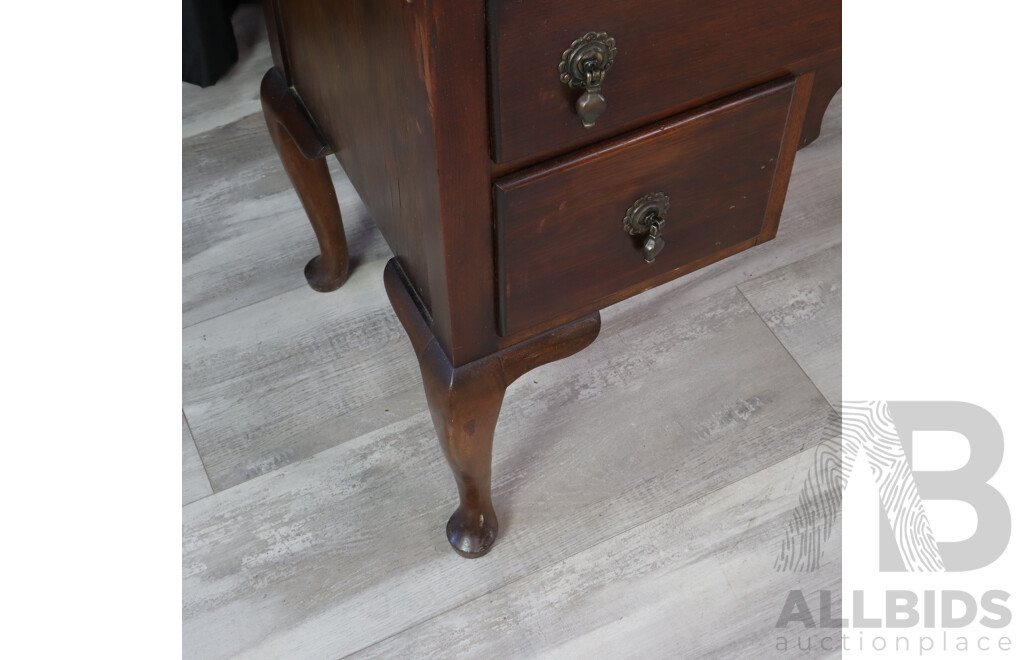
x=647, y=217
x=583, y=66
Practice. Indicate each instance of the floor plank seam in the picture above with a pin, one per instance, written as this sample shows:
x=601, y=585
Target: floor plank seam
x=790, y=354
x=206, y=473
x=245, y=306
x=302, y=461
x=286, y=292
x=219, y=127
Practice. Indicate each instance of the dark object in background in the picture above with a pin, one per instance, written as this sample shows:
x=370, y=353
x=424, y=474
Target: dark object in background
x=208, y=47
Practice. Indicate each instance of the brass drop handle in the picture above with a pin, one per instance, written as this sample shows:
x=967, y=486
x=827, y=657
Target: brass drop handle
x=583, y=66
x=647, y=218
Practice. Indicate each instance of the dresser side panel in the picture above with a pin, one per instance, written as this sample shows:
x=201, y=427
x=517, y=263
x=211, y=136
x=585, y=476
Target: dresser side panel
x=363, y=68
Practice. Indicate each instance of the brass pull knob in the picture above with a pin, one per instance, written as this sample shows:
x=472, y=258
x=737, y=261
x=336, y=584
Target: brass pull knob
x=583, y=66
x=647, y=218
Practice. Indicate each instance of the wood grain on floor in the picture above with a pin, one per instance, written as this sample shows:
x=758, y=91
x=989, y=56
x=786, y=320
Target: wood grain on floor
x=695, y=582
x=282, y=379
x=642, y=485
x=802, y=304
x=333, y=554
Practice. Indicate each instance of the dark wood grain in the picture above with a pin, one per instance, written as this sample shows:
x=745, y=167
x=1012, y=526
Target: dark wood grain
x=399, y=91
x=302, y=150
x=561, y=244
x=828, y=78
x=671, y=55
x=465, y=403
x=787, y=154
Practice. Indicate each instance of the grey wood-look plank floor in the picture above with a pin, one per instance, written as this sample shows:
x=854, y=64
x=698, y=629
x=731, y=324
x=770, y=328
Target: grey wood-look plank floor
x=643, y=485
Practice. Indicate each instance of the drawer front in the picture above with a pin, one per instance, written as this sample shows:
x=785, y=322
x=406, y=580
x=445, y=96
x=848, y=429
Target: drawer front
x=670, y=55
x=561, y=243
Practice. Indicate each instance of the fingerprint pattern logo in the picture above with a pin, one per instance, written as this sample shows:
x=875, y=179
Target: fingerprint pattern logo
x=868, y=428
x=811, y=524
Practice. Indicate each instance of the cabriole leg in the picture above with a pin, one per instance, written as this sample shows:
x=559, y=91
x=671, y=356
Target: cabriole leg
x=465, y=402
x=303, y=151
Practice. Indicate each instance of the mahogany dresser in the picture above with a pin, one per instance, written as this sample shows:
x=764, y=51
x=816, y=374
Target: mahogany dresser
x=531, y=162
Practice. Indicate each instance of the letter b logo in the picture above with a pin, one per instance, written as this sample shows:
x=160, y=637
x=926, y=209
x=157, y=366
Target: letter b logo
x=967, y=484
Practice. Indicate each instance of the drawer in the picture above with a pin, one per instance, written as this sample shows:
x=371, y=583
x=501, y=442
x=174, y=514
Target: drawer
x=671, y=56
x=561, y=243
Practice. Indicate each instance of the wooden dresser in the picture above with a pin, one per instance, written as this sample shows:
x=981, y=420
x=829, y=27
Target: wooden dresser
x=531, y=162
